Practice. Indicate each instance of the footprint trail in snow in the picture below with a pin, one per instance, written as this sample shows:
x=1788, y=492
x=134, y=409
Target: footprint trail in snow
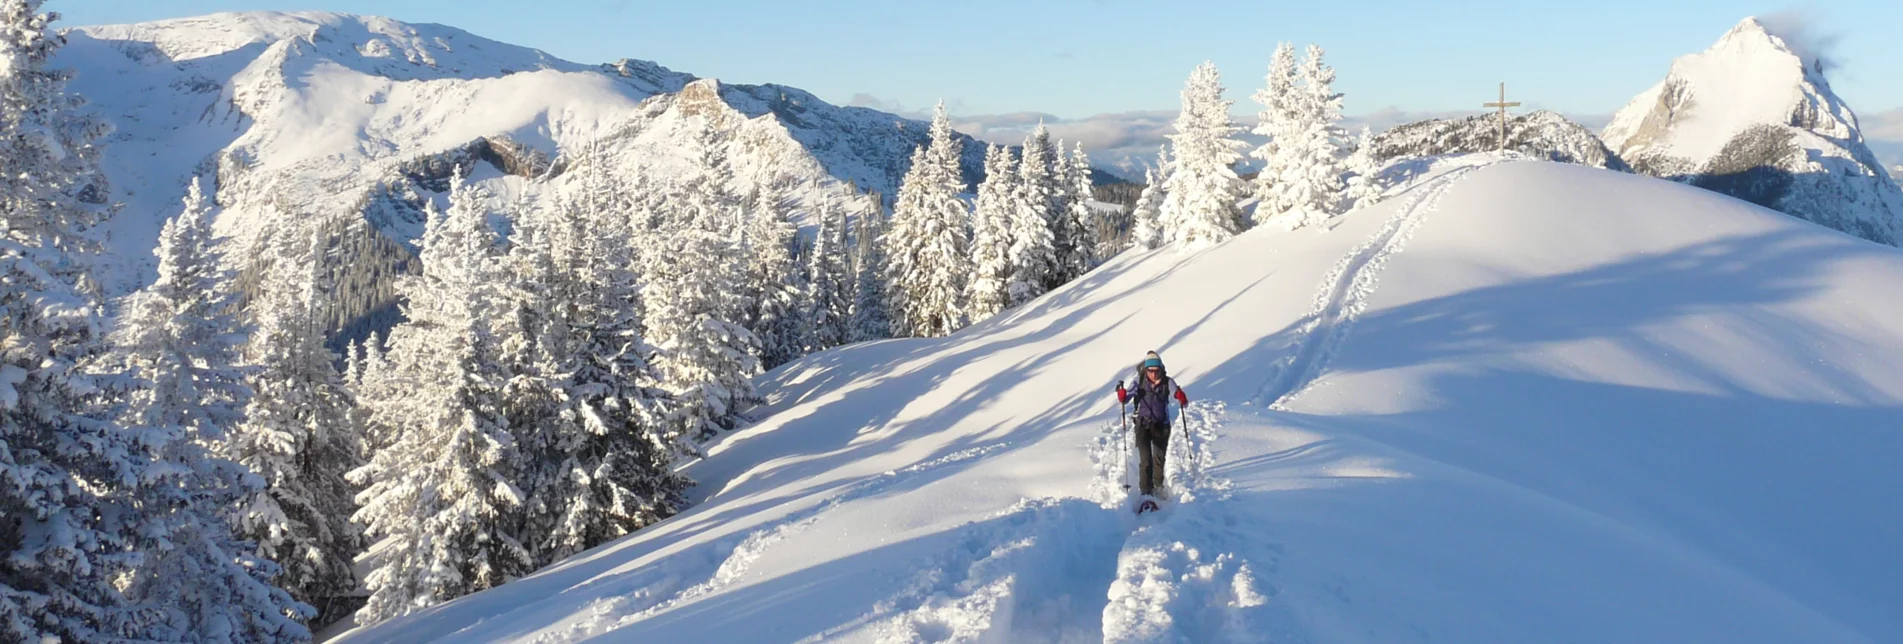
x=1023, y=575
x=1068, y=569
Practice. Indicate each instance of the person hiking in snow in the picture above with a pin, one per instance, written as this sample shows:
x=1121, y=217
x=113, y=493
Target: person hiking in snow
x=1151, y=391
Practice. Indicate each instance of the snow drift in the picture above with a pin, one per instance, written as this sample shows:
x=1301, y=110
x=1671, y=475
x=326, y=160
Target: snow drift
x=1520, y=401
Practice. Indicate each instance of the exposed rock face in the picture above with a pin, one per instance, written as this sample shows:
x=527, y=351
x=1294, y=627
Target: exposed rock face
x=1754, y=118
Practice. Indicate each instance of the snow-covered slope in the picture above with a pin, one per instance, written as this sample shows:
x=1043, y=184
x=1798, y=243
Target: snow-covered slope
x=1754, y=118
x=1514, y=402
x=310, y=115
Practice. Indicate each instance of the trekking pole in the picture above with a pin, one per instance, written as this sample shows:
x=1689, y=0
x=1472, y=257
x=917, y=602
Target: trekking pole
x=1123, y=415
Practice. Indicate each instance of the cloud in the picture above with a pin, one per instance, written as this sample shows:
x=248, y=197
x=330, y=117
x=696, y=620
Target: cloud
x=1883, y=131
x=1123, y=142
x=1800, y=30
x=1886, y=126
x=1595, y=122
x=863, y=99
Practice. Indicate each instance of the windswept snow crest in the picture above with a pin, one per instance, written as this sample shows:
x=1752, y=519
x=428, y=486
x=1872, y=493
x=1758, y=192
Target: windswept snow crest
x=1513, y=402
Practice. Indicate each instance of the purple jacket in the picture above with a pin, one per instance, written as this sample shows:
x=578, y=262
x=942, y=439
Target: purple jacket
x=1153, y=400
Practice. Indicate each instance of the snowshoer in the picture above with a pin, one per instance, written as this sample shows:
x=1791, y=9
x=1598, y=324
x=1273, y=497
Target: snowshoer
x=1152, y=391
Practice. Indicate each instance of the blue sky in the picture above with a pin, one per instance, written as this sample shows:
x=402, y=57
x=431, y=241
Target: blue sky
x=1080, y=58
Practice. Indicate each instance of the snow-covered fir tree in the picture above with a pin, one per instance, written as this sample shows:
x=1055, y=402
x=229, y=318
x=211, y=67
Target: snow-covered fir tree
x=1145, y=229
x=694, y=311
x=990, y=239
x=1200, y=206
x=1033, y=253
x=443, y=494
x=991, y=266
x=1071, y=243
x=828, y=279
x=373, y=381
x=773, y=283
x=870, y=320
x=926, y=252
x=1364, y=186
x=1095, y=229
x=591, y=419
x=179, y=385
x=300, y=433
x=1312, y=188
x=71, y=521
x=1277, y=123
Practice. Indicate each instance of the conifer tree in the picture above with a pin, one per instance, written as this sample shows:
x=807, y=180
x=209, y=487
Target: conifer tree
x=772, y=282
x=1277, y=123
x=443, y=496
x=869, y=318
x=301, y=433
x=1033, y=249
x=1145, y=229
x=927, y=250
x=1200, y=207
x=179, y=386
x=1070, y=243
x=1364, y=186
x=829, y=282
x=991, y=236
x=1314, y=189
x=694, y=307
x=1093, y=240
x=66, y=472
x=598, y=446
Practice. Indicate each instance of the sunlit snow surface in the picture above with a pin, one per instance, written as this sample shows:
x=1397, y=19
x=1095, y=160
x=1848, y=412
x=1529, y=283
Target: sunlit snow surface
x=1515, y=402
x=305, y=115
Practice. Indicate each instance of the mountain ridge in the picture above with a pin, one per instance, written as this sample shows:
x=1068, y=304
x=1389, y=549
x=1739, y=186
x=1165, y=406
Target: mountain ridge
x=313, y=111
x=1755, y=118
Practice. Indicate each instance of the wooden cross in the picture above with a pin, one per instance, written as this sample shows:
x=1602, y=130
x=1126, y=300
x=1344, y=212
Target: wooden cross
x=1503, y=105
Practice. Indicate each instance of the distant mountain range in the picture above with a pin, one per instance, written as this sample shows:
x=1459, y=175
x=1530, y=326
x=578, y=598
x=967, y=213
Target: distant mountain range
x=349, y=124
x=339, y=118
x=1749, y=117
x=332, y=116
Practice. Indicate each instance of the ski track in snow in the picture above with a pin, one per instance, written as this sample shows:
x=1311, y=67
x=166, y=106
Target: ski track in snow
x=718, y=564
x=1344, y=294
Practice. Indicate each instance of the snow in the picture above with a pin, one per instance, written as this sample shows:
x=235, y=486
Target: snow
x=1755, y=103
x=306, y=114
x=1516, y=401
x=1748, y=77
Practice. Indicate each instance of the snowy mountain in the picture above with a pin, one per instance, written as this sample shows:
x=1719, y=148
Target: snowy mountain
x=1755, y=118
x=1513, y=402
x=339, y=118
x=1542, y=135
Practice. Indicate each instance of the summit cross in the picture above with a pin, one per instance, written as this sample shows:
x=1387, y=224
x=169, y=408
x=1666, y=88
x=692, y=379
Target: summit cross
x=1503, y=105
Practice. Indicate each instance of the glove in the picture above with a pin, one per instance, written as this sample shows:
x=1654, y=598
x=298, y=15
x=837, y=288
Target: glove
x=1120, y=387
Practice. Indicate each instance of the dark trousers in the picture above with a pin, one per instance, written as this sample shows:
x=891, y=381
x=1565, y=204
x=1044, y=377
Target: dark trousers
x=1152, y=445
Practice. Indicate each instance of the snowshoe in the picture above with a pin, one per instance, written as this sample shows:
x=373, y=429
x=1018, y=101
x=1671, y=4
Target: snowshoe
x=1147, y=505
